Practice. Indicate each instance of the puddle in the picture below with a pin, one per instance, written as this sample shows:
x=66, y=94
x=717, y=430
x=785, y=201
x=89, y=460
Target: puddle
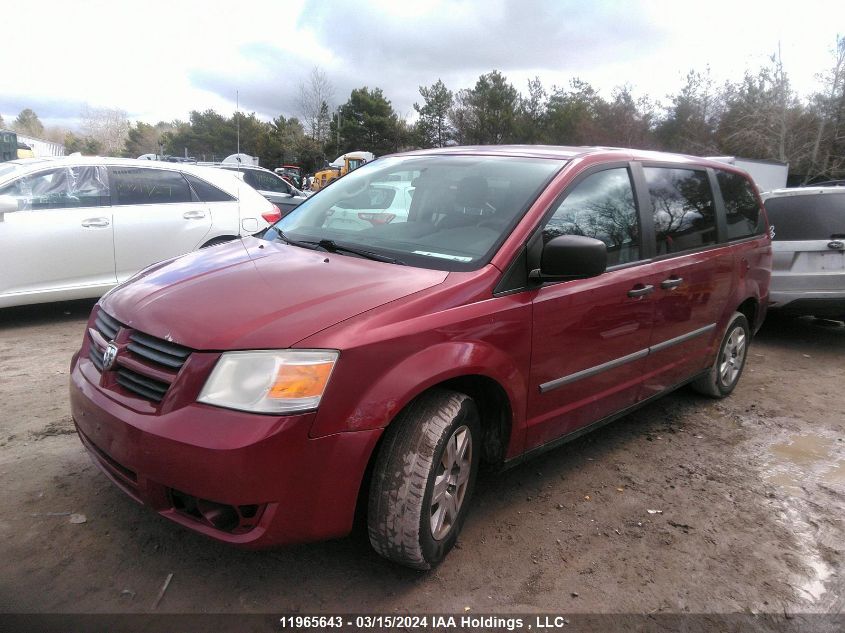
x=813, y=587
x=797, y=463
x=806, y=457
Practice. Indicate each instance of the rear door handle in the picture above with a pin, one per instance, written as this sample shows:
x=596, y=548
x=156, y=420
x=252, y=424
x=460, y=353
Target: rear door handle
x=193, y=215
x=95, y=222
x=636, y=293
x=671, y=283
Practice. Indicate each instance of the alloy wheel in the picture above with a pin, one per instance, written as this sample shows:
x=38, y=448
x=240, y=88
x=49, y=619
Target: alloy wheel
x=733, y=356
x=450, y=482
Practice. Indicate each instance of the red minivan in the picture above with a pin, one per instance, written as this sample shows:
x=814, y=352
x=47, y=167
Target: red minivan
x=374, y=350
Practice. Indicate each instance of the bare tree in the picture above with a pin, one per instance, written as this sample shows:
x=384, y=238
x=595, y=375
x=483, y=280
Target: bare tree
x=108, y=126
x=315, y=98
x=826, y=157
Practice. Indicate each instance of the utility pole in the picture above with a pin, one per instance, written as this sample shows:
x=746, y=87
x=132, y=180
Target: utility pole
x=337, y=145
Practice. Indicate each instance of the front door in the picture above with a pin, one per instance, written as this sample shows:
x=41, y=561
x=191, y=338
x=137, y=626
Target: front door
x=591, y=336
x=61, y=235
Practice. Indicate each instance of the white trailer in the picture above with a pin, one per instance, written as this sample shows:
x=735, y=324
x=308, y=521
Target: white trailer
x=41, y=147
x=767, y=174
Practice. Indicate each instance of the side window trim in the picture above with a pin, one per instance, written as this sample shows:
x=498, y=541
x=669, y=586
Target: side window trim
x=721, y=210
x=646, y=211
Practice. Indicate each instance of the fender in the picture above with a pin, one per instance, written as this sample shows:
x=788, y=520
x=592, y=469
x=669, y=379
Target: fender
x=397, y=384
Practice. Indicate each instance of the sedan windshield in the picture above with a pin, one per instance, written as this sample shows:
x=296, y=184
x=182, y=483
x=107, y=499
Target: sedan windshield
x=441, y=212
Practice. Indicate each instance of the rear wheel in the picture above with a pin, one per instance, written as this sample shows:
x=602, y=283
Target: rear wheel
x=724, y=375
x=423, y=479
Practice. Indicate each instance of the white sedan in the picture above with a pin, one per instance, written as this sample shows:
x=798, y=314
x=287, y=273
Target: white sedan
x=74, y=227
x=380, y=203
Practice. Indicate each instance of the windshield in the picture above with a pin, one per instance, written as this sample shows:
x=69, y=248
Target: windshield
x=441, y=212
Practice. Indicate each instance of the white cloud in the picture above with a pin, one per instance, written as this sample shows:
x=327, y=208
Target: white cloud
x=158, y=60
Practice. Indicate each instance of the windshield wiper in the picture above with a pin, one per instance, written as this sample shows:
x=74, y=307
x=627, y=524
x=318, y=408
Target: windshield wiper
x=309, y=245
x=333, y=247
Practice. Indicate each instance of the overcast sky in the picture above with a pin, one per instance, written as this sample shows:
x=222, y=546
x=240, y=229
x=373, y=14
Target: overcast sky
x=158, y=60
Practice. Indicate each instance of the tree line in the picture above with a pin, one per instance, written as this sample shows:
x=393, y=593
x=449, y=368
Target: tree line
x=759, y=117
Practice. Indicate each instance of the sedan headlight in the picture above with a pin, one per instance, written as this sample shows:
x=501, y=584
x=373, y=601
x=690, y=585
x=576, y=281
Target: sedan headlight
x=269, y=381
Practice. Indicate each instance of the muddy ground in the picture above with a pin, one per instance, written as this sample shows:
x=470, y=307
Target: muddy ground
x=747, y=494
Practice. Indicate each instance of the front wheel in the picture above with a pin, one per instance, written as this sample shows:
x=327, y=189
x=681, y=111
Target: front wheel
x=724, y=375
x=423, y=479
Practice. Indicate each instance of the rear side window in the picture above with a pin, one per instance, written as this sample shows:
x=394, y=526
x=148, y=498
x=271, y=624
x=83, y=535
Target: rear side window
x=601, y=206
x=267, y=182
x=743, y=211
x=207, y=192
x=813, y=216
x=684, y=213
x=138, y=185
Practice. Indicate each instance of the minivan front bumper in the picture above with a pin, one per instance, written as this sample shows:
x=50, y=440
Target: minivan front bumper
x=245, y=479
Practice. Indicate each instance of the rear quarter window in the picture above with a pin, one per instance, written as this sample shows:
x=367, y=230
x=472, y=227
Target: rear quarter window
x=813, y=216
x=742, y=211
x=207, y=192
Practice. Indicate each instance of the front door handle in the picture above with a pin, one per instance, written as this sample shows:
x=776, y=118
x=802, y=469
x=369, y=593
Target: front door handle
x=193, y=215
x=671, y=283
x=95, y=222
x=636, y=293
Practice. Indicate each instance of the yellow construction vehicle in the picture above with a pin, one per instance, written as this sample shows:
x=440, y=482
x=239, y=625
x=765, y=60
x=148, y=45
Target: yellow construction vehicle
x=341, y=166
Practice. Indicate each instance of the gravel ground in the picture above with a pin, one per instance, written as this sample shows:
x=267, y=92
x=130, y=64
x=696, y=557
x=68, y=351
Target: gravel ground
x=688, y=505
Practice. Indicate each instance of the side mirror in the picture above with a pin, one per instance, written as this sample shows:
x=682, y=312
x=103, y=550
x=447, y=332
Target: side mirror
x=571, y=257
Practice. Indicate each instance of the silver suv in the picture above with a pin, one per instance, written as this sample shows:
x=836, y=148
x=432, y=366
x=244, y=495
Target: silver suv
x=808, y=268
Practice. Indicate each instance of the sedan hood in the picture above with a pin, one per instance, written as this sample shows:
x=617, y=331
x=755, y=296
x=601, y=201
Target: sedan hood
x=255, y=294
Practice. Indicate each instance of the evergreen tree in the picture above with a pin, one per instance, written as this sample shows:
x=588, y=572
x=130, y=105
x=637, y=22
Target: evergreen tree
x=433, y=128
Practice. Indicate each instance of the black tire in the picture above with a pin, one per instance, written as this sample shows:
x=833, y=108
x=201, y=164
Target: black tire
x=726, y=370
x=404, y=524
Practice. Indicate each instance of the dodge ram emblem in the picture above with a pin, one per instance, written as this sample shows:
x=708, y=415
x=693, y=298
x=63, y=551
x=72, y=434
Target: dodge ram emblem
x=110, y=355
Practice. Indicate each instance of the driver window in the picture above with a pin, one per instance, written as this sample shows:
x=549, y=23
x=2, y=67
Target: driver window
x=601, y=206
x=68, y=187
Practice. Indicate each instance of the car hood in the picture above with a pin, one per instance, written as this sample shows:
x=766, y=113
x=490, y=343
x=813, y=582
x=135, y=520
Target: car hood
x=255, y=294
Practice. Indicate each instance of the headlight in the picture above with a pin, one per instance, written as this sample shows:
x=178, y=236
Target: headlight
x=271, y=381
